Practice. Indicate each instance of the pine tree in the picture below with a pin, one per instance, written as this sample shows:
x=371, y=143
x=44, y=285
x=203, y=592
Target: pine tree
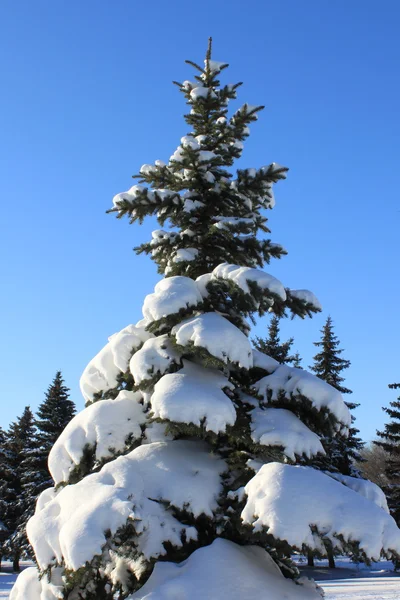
x=328, y=365
x=54, y=415
x=273, y=346
x=18, y=445
x=188, y=435
x=390, y=443
x=342, y=452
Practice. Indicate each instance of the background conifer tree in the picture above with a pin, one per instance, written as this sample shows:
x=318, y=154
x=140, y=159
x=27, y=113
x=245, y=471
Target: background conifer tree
x=53, y=416
x=186, y=451
x=341, y=452
x=390, y=443
x=273, y=346
x=18, y=445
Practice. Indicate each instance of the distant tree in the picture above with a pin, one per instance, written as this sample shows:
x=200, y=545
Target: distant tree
x=18, y=445
x=373, y=464
x=273, y=346
x=341, y=452
x=54, y=414
x=390, y=443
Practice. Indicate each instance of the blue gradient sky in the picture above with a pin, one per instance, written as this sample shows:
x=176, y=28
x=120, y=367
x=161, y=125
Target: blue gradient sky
x=87, y=99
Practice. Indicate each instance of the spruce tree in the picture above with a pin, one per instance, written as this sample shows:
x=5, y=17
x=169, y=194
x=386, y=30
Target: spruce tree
x=53, y=414
x=342, y=451
x=186, y=451
x=273, y=346
x=18, y=445
x=390, y=443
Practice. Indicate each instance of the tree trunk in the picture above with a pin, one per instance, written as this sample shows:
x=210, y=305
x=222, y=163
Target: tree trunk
x=331, y=560
x=16, y=567
x=310, y=559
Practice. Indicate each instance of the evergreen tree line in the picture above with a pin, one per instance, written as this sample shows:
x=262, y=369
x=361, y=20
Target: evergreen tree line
x=24, y=450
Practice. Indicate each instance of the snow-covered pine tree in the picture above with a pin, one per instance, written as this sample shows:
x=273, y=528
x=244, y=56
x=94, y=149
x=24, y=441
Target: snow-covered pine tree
x=390, y=442
x=273, y=346
x=178, y=479
x=342, y=451
x=18, y=445
x=53, y=416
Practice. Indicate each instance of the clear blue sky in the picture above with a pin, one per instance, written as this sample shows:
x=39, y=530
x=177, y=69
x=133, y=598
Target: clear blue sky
x=86, y=99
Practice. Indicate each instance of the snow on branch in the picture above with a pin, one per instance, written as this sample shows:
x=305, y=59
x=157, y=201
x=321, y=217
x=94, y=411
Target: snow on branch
x=102, y=372
x=135, y=487
x=218, y=336
x=155, y=357
x=280, y=427
x=194, y=395
x=104, y=426
x=300, y=505
x=297, y=384
x=171, y=296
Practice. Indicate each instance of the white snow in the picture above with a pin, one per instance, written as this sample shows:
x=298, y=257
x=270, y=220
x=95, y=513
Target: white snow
x=190, y=142
x=366, y=488
x=307, y=296
x=280, y=427
x=29, y=587
x=214, y=65
x=104, y=426
x=290, y=500
x=201, y=92
x=217, y=335
x=170, y=296
x=206, y=155
x=102, y=371
x=241, y=276
x=192, y=395
x=224, y=570
x=73, y=525
x=295, y=383
x=263, y=361
x=155, y=356
x=185, y=255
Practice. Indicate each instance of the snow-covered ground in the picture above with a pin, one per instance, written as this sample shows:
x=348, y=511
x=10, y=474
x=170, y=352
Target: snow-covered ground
x=368, y=588
x=375, y=583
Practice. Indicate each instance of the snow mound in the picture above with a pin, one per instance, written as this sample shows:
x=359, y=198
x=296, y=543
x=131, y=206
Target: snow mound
x=366, y=488
x=218, y=336
x=295, y=383
x=73, y=525
x=280, y=427
x=170, y=296
x=241, y=276
x=28, y=586
x=155, y=356
x=290, y=501
x=193, y=395
x=102, y=372
x=105, y=426
x=224, y=570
